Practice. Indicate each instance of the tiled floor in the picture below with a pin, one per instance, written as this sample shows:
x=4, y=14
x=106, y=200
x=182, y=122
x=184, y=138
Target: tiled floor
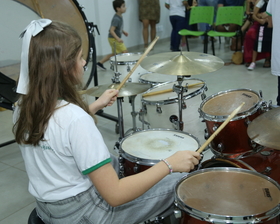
x=17, y=203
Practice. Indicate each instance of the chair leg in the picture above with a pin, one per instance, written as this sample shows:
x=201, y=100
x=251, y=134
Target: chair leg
x=213, y=47
x=205, y=45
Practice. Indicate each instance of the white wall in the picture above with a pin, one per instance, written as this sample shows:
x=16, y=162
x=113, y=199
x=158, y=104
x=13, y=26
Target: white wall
x=100, y=12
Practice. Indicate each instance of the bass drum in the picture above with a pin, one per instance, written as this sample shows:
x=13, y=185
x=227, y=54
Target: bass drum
x=67, y=11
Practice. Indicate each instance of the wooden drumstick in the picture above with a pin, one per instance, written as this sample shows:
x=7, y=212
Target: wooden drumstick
x=138, y=62
x=169, y=90
x=220, y=128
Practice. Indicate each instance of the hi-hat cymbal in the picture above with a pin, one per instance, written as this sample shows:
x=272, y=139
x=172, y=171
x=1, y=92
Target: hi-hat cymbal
x=182, y=63
x=265, y=129
x=128, y=89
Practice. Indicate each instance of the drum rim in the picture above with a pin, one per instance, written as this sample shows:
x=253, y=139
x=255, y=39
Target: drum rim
x=173, y=99
x=132, y=62
x=239, y=116
x=145, y=161
x=215, y=218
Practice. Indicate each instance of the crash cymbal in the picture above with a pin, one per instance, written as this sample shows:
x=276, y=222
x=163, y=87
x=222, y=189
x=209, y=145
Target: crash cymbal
x=182, y=63
x=128, y=89
x=265, y=129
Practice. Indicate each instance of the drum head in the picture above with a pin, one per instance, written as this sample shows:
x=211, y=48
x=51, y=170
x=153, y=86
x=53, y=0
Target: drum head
x=224, y=103
x=156, y=144
x=192, y=91
x=228, y=192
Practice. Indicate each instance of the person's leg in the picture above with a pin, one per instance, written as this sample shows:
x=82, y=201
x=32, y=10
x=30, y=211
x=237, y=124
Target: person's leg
x=254, y=58
x=106, y=58
x=154, y=202
x=153, y=29
x=145, y=32
x=173, y=36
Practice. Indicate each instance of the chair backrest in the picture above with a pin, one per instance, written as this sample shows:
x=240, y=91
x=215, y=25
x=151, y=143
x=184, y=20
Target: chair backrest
x=230, y=15
x=202, y=14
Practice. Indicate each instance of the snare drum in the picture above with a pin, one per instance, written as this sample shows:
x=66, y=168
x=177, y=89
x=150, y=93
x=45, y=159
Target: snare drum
x=266, y=161
x=155, y=78
x=159, y=111
x=125, y=62
x=141, y=150
x=228, y=195
x=233, y=139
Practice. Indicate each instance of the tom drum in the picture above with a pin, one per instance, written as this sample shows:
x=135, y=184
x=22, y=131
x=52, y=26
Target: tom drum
x=141, y=150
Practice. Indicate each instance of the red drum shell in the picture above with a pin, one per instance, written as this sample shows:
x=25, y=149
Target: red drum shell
x=266, y=162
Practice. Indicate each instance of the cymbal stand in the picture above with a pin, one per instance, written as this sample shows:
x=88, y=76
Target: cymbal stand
x=180, y=90
x=133, y=114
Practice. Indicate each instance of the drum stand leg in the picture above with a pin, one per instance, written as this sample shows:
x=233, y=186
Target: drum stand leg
x=133, y=114
x=120, y=122
x=180, y=90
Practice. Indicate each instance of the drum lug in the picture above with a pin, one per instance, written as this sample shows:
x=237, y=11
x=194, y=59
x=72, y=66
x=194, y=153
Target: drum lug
x=128, y=68
x=177, y=213
x=203, y=96
x=220, y=147
x=267, y=171
x=247, y=121
x=215, y=127
x=158, y=109
x=136, y=168
x=206, y=134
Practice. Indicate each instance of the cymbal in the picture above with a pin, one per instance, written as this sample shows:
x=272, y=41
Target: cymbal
x=182, y=63
x=265, y=129
x=128, y=89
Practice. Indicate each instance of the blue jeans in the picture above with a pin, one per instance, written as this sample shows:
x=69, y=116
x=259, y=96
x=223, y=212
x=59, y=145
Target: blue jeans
x=89, y=207
x=178, y=23
x=205, y=26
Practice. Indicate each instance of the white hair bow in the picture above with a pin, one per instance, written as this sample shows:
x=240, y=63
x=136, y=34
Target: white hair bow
x=35, y=27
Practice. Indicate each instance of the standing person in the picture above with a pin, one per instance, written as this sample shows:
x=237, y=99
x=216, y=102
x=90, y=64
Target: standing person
x=177, y=19
x=115, y=33
x=71, y=172
x=214, y=3
x=149, y=15
x=273, y=10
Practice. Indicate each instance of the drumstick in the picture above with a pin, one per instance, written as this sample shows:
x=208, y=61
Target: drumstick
x=169, y=90
x=138, y=62
x=220, y=128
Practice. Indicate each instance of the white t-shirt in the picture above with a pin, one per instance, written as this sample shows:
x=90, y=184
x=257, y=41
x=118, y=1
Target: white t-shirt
x=273, y=9
x=73, y=147
x=176, y=8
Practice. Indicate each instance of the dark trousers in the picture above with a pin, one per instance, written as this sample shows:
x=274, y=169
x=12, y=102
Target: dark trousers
x=177, y=23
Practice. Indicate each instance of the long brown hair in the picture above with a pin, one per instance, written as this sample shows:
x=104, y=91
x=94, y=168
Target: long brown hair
x=52, y=67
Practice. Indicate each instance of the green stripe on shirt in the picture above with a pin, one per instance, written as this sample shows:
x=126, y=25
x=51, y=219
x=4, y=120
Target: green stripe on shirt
x=89, y=170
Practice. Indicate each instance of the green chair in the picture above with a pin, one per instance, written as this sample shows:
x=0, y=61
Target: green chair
x=199, y=14
x=228, y=15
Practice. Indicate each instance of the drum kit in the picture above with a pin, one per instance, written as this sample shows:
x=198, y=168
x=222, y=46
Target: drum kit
x=240, y=183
